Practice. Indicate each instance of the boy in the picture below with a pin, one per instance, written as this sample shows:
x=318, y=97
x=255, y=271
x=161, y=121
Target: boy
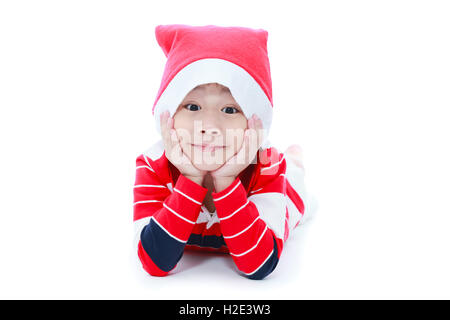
x=213, y=182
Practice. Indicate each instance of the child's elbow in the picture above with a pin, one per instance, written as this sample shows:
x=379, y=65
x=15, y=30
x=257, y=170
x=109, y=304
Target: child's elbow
x=155, y=272
x=149, y=266
x=259, y=276
x=266, y=268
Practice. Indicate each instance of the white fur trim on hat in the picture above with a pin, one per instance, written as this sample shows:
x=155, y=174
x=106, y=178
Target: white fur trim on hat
x=243, y=87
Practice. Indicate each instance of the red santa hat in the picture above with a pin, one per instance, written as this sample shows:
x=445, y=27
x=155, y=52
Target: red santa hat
x=235, y=57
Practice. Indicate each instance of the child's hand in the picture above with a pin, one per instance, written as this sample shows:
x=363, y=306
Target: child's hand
x=253, y=137
x=174, y=152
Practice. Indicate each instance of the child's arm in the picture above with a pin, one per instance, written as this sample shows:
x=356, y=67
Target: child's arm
x=255, y=227
x=163, y=219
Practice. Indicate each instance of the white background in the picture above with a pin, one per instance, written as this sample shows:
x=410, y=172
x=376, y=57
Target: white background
x=362, y=86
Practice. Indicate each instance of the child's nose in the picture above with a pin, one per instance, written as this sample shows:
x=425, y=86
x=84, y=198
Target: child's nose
x=211, y=131
x=210, y=124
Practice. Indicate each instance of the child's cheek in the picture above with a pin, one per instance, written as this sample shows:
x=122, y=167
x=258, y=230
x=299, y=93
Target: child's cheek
x=233, y=148
x=184, y=135
x=184, y=128
x=182, y=123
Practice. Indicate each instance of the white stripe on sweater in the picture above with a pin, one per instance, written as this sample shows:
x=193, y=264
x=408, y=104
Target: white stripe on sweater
x=229, y=216
x=146, y=201
x=294, y=215
x=146, y=160
x=275, y=164
x=252, y=248
x=253, y=191
x=153, y=218
x=141, y=167
x=149, y=186
x=224, y=196
x=265, y=260
x=177, y=214
x=241, y=232
x=272, y=210
x=193, y=200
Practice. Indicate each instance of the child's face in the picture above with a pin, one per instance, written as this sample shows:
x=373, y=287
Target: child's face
x=210, y=125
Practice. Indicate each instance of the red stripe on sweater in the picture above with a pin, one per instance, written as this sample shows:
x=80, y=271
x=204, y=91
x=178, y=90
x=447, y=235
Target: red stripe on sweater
x=293, y=195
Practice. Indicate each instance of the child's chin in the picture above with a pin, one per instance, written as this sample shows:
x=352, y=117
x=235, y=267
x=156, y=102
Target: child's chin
x=208, y=166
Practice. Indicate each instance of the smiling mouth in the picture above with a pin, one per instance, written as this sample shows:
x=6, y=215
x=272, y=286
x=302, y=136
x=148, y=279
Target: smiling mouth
x=207, y=147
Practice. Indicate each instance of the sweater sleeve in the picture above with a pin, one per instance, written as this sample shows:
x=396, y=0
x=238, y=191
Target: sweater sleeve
x=254, y=227
x=163, y=219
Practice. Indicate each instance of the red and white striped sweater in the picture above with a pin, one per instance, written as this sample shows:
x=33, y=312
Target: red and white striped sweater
x=252, y=220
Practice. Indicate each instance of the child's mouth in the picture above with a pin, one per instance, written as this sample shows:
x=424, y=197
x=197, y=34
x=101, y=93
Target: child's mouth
x=207, y=147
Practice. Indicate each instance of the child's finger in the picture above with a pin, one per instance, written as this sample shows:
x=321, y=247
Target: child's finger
x=251, y=121
x=173, y=146
x=163, y=120
x=174, y=142
x=253, y=143
x=260, y=132
x=242, y=155
x=163, y=124
x=256, y=125
x=170, y=123
x=173, y=137
x=169, y=135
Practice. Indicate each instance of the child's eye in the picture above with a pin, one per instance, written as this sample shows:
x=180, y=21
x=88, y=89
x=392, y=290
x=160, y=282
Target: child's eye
x=192, y=107
x=230, y=110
